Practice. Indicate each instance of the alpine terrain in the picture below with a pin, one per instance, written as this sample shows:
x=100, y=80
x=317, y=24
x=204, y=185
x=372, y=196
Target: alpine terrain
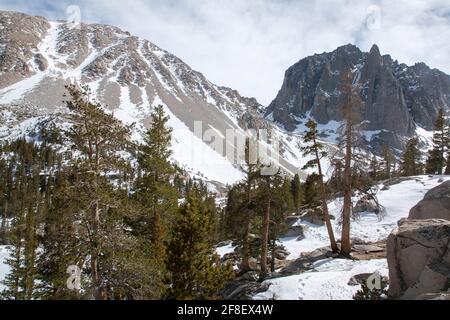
x=127, y=175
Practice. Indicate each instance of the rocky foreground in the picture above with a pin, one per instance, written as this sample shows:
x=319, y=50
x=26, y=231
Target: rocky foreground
x=413, y=255
x=419, y=250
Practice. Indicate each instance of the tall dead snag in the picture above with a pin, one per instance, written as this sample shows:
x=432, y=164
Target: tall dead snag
x=351, y=101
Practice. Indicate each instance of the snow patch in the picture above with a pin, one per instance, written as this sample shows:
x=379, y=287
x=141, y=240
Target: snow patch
x=327, y=281
x=397, y=201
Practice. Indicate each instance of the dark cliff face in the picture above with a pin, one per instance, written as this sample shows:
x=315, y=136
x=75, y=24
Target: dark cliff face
x=397, y=98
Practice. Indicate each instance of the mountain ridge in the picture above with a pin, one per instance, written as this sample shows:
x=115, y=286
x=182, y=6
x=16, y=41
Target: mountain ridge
x=127, y=74
x=398, y=99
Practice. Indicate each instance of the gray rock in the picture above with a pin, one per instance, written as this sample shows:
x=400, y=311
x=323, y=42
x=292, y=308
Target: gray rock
x=313, y=216
x=366, y=205
x=306, y=261
x=395, y=97
x=418, y=255
x=243, y=289
x=434, y=296
x=435, y=204
x=281, y=253
x=359, y=279
x=296, y=231
x=249, y=276
x=291, y=220
x=367, y=248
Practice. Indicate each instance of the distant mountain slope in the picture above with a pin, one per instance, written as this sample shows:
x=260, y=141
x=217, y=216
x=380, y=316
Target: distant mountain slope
x=398, y=100
x=127, y=74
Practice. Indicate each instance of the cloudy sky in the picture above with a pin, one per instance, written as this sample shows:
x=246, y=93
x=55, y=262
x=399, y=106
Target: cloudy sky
x=248, y=44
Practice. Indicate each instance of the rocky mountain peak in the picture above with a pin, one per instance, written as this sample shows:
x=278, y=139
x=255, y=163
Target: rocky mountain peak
x=398, y=99
x=375, y=51
x=128, y=75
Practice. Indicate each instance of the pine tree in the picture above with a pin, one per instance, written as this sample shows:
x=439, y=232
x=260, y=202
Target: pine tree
x=288, y=199
x=155, y=191
x=436, y=157
x=14, y=281
x=311, y=191
x=281, y=207
x=273, y=209
x=374, y=169
x=316, y=149
x=98, y=138
x=252, y=173
x=196, y=271
x=266, y=189
x=296, y=192
x=27, y=165
x=389, y=161
x=411, y=164
x=59, y=248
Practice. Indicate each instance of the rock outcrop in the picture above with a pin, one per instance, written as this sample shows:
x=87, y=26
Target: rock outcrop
x=396, y=98
x=418, y=254
x=367, y=204
x=435, y=204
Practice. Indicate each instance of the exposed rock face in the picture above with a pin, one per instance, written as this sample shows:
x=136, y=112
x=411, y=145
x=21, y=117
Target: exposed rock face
x=244, y=287
x=435, y=204
x=19, y=39
x=127, y=74
x=294, y=229
x=418, y=254
x=396, y=97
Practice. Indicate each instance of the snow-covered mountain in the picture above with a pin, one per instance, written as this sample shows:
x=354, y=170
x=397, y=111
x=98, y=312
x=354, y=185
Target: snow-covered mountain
x=127, y=74
x=399, y=101
x=131, y=75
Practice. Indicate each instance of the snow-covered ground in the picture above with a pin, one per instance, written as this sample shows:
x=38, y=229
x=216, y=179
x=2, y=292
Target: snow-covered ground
x=397, y=201
x=221, y=251
x=329, y=278
x=327, y=281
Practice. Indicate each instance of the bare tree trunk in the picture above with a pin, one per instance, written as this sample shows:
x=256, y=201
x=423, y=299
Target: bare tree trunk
x=245, y=265
x=323, y=196
x=99, y=293
x=3, y=230
x=347, y=208
x=272, y=255
x=265, y=248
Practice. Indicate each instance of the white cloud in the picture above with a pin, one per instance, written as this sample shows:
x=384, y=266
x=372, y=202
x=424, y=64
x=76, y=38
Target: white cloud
x=249, y=44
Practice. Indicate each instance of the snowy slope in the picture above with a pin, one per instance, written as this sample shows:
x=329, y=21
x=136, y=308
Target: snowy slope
x=398, y=200
x=328, y=280
x=129, y=76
